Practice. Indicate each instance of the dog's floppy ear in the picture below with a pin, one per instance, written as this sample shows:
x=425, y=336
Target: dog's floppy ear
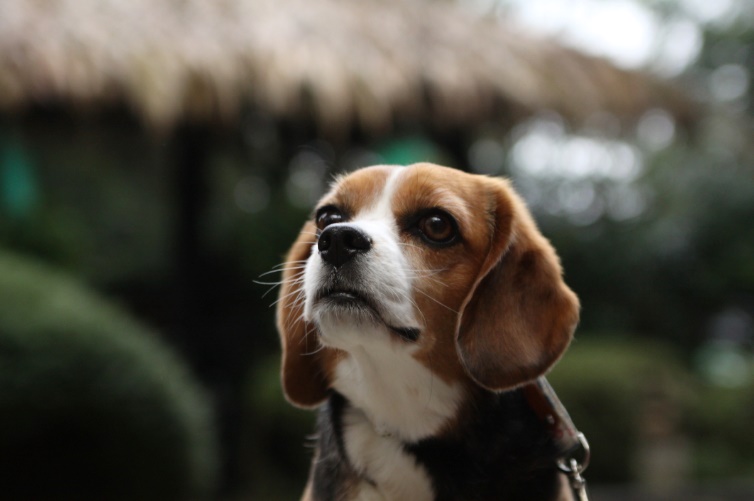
x=303, y=368
x=519, y=316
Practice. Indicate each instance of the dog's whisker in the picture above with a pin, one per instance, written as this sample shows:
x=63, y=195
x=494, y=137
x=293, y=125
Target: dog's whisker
x=277, y=282
x=304, y=341
x=306, y=243
x=297, y=277
x=285, y=296
x=316, y=350
x=436, y=301
x=288, y=263
x=294, y=302
x=313, y=233
x=308, y=335
x=292, y=280
x=425, y=273
x=412, y=302
x=277, y=269
x=299, y=271
x=414, y=246
x=298, y=302
x=295, y=314
x=431, y=279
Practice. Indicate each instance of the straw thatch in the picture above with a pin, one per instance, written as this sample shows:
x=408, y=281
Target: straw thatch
x=345, y=62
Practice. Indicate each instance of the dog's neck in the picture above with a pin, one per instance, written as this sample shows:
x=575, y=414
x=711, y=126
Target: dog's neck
x=396, y=393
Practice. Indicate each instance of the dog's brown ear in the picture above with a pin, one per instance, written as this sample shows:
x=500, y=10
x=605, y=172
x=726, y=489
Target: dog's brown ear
x=303, y=367
x=519, y=317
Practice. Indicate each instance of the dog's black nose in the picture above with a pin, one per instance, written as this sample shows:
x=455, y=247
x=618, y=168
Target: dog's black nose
x=338, y=243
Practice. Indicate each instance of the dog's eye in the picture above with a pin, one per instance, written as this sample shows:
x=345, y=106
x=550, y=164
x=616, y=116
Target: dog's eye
x=438, y=228
x=328, y=215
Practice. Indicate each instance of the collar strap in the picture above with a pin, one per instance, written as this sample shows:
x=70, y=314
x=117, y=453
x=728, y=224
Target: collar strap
x=572, y=446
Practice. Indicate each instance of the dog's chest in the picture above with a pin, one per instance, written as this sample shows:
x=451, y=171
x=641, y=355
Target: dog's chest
x=498, y=452
x=387, y=471
x=394, y=400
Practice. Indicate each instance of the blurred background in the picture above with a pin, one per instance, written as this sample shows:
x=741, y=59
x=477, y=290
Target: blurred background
x=158, y=157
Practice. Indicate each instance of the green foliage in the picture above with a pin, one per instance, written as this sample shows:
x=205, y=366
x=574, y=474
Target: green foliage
x=280, y=456
x=720, y=420
x=602, y=384
x=617, y=389
x=101, y=197
x=92, y=406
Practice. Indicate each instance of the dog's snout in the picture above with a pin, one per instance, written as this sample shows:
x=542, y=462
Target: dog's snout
x=339, y=243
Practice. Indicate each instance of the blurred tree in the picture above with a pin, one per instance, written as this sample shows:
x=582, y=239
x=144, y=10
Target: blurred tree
x=654, y=223
x=92, y=405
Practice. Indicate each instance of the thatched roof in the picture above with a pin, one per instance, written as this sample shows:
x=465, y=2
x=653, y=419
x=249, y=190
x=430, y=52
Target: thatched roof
x=343, y=61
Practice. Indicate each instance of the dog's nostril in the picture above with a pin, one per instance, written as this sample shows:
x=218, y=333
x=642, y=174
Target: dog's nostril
x=338, y=243
x=324, y=242
x=357, y=240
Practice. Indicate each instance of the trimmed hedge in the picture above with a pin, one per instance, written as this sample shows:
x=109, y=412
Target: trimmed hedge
x=92, y=405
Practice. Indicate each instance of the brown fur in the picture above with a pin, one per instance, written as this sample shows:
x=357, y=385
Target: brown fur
x=519, y=317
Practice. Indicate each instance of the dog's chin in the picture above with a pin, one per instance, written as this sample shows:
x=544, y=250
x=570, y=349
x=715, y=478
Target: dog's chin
x=348, y=311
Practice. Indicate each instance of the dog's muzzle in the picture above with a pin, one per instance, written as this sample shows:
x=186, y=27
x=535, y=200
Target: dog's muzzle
x=338, y=245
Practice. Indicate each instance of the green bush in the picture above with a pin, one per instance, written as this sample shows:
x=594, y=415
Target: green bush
x=92, y=406
x=626, y=393
x=606, y=384
x=719, y=420
x=279, y=436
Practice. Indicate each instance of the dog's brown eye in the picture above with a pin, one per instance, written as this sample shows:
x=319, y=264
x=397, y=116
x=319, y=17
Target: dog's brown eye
x=438, y=228
x=328, y=215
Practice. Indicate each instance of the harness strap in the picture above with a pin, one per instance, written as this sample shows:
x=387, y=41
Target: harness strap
x=572, y=446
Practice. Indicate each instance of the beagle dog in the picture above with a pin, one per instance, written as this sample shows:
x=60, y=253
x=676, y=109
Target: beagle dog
x=415, y=304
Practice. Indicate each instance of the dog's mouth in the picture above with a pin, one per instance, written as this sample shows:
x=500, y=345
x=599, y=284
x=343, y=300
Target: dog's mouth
x=343, y=296
x=362, y=306
x=346, y=298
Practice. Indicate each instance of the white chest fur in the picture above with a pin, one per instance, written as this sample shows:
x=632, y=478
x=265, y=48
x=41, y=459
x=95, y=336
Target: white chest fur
x=397, y=394
x=395, y=400
x=392, y=474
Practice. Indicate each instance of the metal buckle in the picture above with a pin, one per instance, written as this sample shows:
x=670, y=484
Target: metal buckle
x=573, y=468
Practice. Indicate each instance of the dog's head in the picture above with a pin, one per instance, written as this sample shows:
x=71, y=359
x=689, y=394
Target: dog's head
x=449, y=265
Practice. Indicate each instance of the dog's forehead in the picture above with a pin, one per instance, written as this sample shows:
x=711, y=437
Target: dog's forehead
x=360, y=189
x=407, y=189
x=430, y=186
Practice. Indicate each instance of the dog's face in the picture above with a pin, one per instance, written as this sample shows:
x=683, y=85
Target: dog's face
x=442, y=268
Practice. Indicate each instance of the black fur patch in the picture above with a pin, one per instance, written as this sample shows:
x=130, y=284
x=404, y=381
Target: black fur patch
x=331, y=472
x=500, y=451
